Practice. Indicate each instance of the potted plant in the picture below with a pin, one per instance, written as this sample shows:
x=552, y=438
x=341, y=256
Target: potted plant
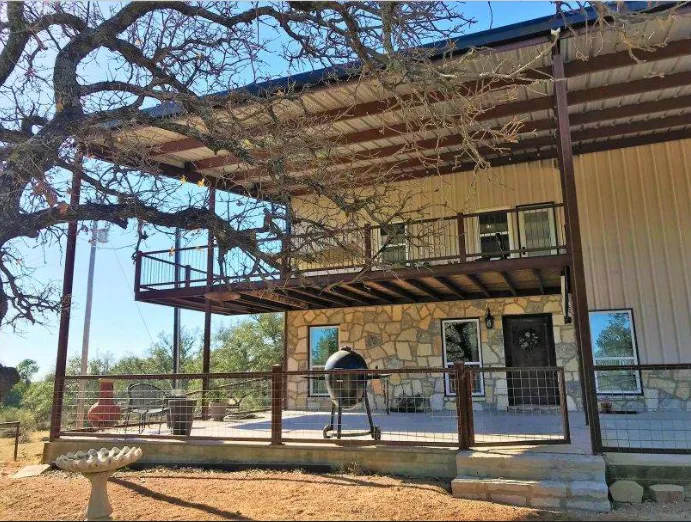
x=218, y=404
x=606, y=406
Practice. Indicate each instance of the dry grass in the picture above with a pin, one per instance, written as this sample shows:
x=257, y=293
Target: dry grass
x=29, y=453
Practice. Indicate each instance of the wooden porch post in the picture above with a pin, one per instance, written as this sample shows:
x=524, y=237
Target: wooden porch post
x=206, y=349
x=64, y=331
x=574, y=247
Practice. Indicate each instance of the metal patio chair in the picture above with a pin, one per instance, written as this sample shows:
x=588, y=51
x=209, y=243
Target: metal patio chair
x=146, y=400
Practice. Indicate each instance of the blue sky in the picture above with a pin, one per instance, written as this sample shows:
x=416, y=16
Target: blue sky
x=119, y=324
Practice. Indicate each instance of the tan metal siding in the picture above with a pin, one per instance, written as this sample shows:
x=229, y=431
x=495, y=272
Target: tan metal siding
x=466, y=192
x=635, y=209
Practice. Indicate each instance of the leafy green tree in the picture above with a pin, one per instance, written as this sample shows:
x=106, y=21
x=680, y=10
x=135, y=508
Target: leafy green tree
x=254, y=344
x=615, y=339
x=27, y=369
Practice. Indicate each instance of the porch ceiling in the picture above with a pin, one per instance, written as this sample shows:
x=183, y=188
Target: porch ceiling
x=615, y=101
x=483, y=280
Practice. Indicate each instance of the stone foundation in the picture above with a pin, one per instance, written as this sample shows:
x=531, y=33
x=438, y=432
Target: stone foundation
x=410, y=336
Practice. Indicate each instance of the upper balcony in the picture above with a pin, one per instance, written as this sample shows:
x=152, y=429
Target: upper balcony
x=499, y=253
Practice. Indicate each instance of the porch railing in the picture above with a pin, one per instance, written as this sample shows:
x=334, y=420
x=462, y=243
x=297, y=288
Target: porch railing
x=532, y=230
x=645, y=408
x=460, y=406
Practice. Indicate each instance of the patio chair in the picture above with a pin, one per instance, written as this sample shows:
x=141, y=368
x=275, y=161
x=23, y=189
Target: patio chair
x=146, y=400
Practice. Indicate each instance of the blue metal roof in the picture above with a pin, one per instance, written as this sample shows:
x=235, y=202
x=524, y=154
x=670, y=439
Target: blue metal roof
x=488, y=38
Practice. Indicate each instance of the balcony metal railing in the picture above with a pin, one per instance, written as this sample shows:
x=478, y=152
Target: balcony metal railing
x=526, y=231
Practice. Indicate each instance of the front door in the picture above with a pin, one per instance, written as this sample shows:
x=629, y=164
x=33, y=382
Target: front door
x=529, y=343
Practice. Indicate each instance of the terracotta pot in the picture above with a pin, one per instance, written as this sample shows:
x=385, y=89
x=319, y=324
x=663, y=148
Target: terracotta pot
x=105, y=412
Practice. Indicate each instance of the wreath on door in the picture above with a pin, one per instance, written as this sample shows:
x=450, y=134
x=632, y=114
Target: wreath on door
x=529, y=340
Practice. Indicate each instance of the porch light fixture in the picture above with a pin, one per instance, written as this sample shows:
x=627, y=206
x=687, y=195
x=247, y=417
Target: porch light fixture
x=489, y=319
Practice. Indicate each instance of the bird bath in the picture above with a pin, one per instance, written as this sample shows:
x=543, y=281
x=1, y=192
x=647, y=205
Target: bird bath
x=98, y=466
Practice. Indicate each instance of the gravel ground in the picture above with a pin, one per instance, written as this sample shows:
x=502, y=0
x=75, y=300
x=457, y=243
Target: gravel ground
x=165, y=494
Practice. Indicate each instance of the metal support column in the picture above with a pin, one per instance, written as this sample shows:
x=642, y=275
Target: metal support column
x=64, y=331
x=574, y=248
x=206, y=353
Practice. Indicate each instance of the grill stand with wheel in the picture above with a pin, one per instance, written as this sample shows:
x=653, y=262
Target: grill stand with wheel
x=374, y=431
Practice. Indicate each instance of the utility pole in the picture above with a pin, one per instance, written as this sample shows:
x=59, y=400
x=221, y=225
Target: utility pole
x=87, y=324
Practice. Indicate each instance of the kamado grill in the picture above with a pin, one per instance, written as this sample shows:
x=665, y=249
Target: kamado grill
x=347, y=390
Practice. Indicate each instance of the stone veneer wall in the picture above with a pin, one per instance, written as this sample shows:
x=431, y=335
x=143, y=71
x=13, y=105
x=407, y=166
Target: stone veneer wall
x=409, y=336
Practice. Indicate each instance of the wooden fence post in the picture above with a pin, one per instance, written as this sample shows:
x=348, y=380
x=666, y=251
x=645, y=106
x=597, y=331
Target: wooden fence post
x=461, y=406
x=276, y=404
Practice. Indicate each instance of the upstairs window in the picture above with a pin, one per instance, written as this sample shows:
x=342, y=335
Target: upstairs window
x=323, y=341
x=494, y=231
x=393, y=243
x=461, y=343
x=614, y=344
x=537, y=230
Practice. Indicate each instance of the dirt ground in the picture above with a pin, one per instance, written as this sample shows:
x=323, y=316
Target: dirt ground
x=165, y=494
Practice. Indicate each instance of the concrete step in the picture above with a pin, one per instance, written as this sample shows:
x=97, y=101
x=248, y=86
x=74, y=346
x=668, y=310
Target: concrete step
x=520, y=466
x=544, y=494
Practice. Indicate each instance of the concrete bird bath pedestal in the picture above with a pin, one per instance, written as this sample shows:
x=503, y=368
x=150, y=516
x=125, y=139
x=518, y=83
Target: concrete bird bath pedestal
x=98, y=466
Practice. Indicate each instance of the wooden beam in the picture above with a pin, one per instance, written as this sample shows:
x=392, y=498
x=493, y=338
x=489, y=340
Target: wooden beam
x=476, y=281
x=273, y=295
x=349, y=293
x=450, y=285
x=397, y=290
x=347, y=299
x=326, y=296
x=221, y=296
x=308, y=297
x=374, y=293
x=574, y=248
x=538, y=275
x=509, y=283
x=263, y=303
x=425, y=289
x=572, y=69
x=543, y=154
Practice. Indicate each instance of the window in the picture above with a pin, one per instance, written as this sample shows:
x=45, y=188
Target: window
x=614, y=343
x=461, y=342
x=394, y=243
x=323, y=341
x=494, y=232
x=537, y=230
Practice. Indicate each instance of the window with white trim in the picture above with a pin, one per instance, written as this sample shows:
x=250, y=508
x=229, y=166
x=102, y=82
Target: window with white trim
x=393, y=239
x=614, y=344
x=323, y=341
x=461, y=342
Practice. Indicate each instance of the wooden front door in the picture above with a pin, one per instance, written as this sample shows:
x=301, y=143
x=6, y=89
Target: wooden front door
x=529, y=343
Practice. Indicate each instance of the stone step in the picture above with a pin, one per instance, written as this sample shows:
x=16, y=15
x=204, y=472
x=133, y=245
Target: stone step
x=513, y=465
x=544, y=494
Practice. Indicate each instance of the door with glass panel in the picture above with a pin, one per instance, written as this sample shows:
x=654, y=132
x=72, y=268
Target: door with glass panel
x=493, y=235
x=538, y=234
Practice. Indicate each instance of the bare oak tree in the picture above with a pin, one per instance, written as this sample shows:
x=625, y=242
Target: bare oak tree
x=88, y=90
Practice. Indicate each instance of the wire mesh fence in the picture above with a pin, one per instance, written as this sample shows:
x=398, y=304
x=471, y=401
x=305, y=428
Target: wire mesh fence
x=371, y=406
x=519, y=406
x=645, y=408
x=226, y=406
x=459, y=406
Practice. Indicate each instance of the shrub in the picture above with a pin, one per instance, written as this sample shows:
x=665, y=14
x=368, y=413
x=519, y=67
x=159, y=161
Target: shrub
x=27, y=423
